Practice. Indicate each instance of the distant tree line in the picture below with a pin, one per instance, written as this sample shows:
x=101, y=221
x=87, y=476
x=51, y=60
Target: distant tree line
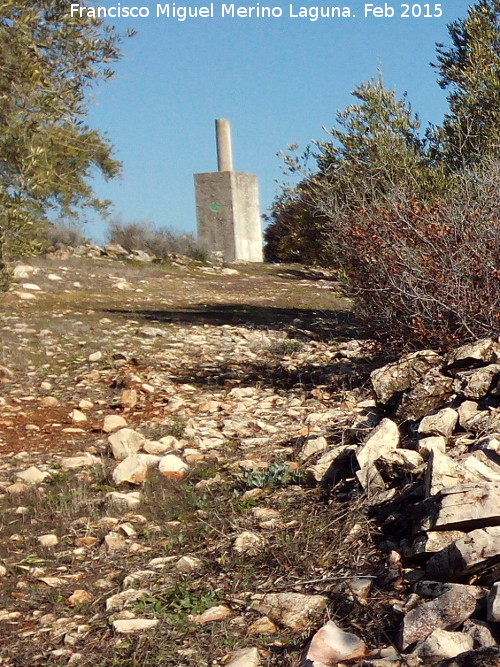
x=411, y=221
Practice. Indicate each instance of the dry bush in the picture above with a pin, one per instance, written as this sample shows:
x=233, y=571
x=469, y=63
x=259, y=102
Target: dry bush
x=160, y=242
x=425, y=272
x=68, y=235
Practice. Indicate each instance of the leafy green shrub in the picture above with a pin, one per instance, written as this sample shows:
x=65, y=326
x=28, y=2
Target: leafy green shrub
x=275, y=475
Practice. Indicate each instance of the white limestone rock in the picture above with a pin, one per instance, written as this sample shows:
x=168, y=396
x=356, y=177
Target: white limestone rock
x=383, y=439
x=113, y=423
x=446, y=612
x=124, y=501
x=32, y=476
x=442, y=644
x=293, y=610
x=494, y=602
x=331, y=645
x=131, y=470
x=433, y=443
x=441, y=422
x=467, y=506
x=125, y=599
x=125, y=442
x=173, y=467
x=474, y=551
x=134, y=625
x=245, y=657
x=443, y=472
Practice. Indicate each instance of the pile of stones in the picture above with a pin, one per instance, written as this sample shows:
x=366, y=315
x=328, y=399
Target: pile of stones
x=429, y=463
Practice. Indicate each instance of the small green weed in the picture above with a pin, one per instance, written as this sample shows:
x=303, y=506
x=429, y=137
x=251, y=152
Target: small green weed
x=275, y=475
x=285, y=347
x=177, y=427
x=181, y=600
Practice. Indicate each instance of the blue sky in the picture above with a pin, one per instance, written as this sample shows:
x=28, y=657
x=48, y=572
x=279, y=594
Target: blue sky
x=278, y=81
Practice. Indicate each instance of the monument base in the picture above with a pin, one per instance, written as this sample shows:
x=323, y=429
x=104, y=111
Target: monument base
x=227, y=211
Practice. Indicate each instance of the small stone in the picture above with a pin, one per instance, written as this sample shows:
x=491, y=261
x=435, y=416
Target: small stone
x=441, y=644
x=124, y=501
x=173, y=467
x=24, y=296
x=480, y=465
x=95, y=356
x=79, y=597
x=245, y=657
x=263, y=626
x=467, y=506
x=443, y=472
x=84, y=460
x=466, y=411
x=127, y=627
x=128, y=399
x=84, y=404
x=49, y=402
x=486, y=350
x=17, y=488
x=24, y=271
x=77, y=417
x=152, y=332
x=384, y=438
x=433, y=541
x=131, y=470
x=125, y=599
x=87, y=541
x=32, y=475
x=399, y=376
x=188, y=564
x=446, y=612
x=435, y=443
x=114, y=543
x=494, y=603
x=313, y=446
x=125, y=442
x=478, y=382
x=331, y=645
x=323, y=469
x=293, y=610
x=441, y=423
x=248, y=543
x=484, y=657
x=156, y=448
x=113, y=423
x=480, y=632
x=48, y=541
x=218, y=613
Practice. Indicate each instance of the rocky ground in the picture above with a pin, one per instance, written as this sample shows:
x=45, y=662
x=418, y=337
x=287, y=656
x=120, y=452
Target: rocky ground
x=211, y=466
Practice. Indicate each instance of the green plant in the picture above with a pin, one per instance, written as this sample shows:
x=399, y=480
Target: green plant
x=275, y=475
x=286, y=347
x=50, y=59
x=183, y=599
x=470, y=71
x=177, y=426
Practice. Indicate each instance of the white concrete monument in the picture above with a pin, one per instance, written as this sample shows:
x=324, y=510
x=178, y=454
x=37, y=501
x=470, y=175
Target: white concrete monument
x=227, y=206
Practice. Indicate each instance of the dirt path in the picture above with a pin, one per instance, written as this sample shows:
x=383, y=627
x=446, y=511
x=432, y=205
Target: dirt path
x=229, y=372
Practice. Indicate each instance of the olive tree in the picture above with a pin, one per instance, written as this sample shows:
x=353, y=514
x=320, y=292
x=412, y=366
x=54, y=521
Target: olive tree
x=48, y=64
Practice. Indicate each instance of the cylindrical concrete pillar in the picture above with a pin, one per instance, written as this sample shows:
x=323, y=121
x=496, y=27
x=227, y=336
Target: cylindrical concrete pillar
x=224, y=151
